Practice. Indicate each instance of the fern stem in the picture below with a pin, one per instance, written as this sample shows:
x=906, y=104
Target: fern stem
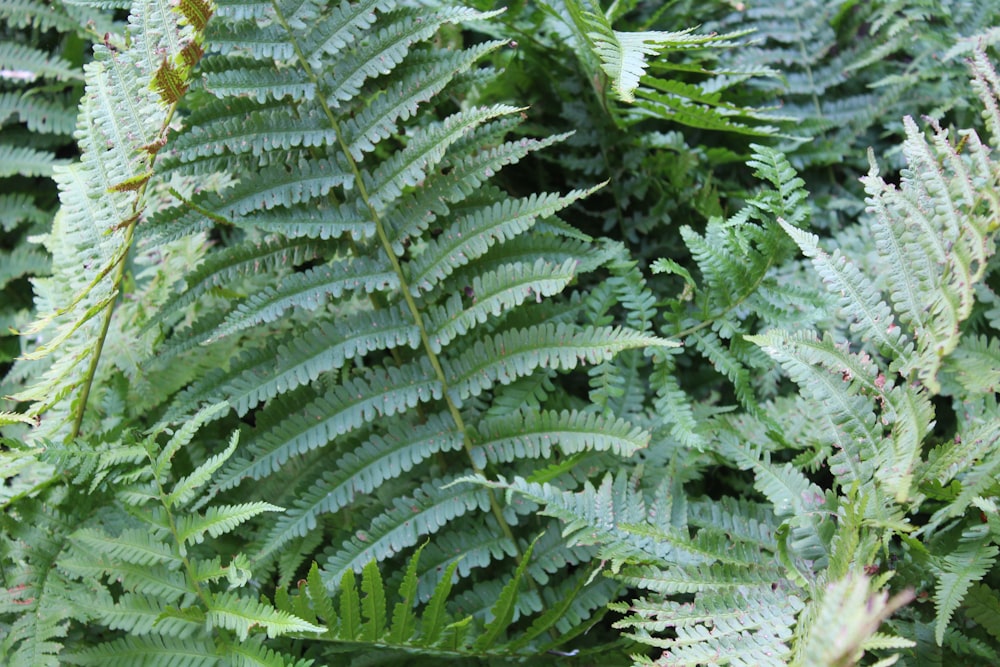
x=204, y=595
x=95, y=355
x=404, y=286
x=119, y=269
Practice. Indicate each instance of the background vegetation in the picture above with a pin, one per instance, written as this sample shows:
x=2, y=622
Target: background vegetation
x=398, y=332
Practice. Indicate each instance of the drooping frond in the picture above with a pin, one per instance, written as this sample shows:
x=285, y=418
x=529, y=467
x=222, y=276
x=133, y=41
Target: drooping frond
x=123, y=122
x=637, y=70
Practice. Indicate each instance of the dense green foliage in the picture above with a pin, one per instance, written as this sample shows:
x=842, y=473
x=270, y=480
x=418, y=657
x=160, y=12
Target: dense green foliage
x=392, y=332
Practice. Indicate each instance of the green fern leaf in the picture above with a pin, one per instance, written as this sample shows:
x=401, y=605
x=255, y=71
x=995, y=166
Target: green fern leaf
x=513, y=354
x=309, y=290
x=138, y=614
x=401, y=101
x=151, y=650
x=43, y=17
x=385, y=50
x=700, y=578
x=262, y=82
x=40, y=114
x=315, y=221
x=373, y=605
x=228, y=610
x=495, y=292
x=383, y=392
x=843, y=618
x=983, y=606
x=404, y=623
x=463, y=171
x=322, y=602
x=960, y=569
x=285, y=185
x=27, y=63
x=218, y=520
x=435, y=619
x=21, y=160
x=134, y=546
x=787, y=487
x=185, y=488
x=362, y=471
x=350, y=607
x=874, y=319
x=122, y=124
x=410, y=166
x=429, y=508
x=254, y=653
x=226, y=267
x=534, y=434
x=471, y=236
x=342, y=27
x=281, y=366
x=503, y=611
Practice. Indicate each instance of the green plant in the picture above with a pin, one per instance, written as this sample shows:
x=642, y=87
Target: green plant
x=403, y=289
x=42, y=50
x=791, y=580
x=333, y=320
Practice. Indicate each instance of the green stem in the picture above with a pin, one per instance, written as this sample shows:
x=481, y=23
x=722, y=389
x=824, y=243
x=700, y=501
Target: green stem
x=95, y=356
x=119, y=276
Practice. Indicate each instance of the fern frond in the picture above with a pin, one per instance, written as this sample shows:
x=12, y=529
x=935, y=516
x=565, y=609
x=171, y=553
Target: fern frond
x=963, y=567
x=262, y=82
x=983, y=606
x=871, y=317
x=134, y=546
x=121, y=124
x=44, y=115
x=403, y=525
x=355, y=205
x=513, y=354
x=238, y=614
x=320, y=349
x=742, y=625
x=35, y=591
x=843, y=619
x=384, y=392
x=138, y=614
x=626, y=58
x=25, y=161
x=309, y=290
x=225, y=268
x=26, y=63
x=362, y=471
x=218, y=520
x=151, y=650
x=470, y=237
x=533, y=435
x=495, y=292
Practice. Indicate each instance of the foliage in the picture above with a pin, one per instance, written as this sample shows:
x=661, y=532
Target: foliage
x=40, y=83
x=346, y=356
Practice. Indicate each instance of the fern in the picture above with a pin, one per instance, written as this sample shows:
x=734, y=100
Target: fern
x=324, y=371
x=37, y=119
x=627, y=62
x=398, y=323
x=744, y=282
x=143, y=564
x=125, y=112
x=877, y=399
